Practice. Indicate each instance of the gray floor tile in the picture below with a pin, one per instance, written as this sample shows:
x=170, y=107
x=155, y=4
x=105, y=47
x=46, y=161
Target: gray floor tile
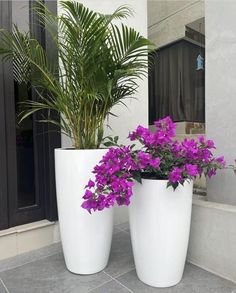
x=2, y=288
x=116, y=229
x=44, y=271
x=111, y=287
x=195, y=280
x=49, y=275
x=123, y=227
x=31, y=256
x=121, y=259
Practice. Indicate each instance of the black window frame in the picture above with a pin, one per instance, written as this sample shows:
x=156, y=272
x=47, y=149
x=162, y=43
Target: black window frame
x=47, y=137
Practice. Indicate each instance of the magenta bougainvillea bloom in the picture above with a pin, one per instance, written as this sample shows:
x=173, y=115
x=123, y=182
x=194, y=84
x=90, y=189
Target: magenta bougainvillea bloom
x=176, y=175
x=161, y=156
x=192, y=170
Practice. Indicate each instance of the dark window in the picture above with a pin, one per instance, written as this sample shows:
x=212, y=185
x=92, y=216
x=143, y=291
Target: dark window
x=27, y=185
x=25, y=149
x=176, y=87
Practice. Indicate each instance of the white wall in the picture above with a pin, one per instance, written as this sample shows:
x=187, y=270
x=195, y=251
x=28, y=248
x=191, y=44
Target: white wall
x=167, y=19
x=137, y=112
x=212, y=243
x=20, y=14
x=220, y=22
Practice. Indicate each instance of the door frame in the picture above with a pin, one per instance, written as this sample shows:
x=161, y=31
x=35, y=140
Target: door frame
x=46, y=137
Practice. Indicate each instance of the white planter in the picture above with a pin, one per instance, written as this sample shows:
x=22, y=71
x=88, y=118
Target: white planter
x=160, y=226
x=86, y=238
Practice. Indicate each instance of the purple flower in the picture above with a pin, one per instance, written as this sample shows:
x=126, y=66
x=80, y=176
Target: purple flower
x=90, y=184
x=144, y=159
x=175, y=175
x=139, y=132
x=167, y=126
x=176, y=149
x=192, y=170
x=206, y=143
x=160, y=155
x=122, y=201
x=132, y=136
x=211, y=172
x=201, y=139
x=155, y=163
x=89, y=205
x=190, y=149
x=88, y=194
x=221, y=161
x=210, y=144
x=205, y=155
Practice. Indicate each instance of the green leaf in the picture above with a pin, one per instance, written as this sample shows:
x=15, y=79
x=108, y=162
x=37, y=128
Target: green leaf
x=168, y=184
x=116, y=138
x=108, y=144
x=137, y=176
x=100, y=65
x=173, y=185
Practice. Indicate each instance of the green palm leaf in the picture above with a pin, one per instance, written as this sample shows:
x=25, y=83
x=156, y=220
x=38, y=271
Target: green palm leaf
x=100, y=64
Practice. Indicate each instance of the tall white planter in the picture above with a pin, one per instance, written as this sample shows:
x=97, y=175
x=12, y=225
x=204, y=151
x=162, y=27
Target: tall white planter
x=160, y=226
x=86, y=238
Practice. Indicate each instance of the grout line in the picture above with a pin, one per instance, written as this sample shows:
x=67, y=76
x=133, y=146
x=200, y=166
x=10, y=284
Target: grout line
x=195, y=263
x=119, y=282
x=123, y=285
x=133, y=268
x=122, y=230
x=127, y=232
x=90, y=290
x=119, y=275
x=4, y=286
x=28, y=262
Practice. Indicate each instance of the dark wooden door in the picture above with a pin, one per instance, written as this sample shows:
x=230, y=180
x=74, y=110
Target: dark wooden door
x=27, y=185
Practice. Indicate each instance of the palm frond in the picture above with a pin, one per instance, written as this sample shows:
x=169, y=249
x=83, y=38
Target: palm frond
x=100, y=64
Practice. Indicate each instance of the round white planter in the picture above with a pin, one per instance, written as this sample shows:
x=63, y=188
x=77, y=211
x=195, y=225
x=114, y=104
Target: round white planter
x=160, y=226
x=86, y=238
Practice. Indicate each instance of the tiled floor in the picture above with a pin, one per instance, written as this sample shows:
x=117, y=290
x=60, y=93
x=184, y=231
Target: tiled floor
x=44, y=271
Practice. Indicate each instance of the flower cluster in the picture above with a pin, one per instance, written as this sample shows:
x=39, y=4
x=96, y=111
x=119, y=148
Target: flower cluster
x=165, y=131
x=114, y=177
x=160, y=157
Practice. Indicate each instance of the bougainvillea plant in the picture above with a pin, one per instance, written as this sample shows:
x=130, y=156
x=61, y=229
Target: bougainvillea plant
x=161, y=156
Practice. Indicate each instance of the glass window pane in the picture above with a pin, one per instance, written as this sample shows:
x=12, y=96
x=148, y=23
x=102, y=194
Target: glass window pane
x=24, y=131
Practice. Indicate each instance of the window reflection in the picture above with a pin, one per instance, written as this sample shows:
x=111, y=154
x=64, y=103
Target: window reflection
x=24, y=131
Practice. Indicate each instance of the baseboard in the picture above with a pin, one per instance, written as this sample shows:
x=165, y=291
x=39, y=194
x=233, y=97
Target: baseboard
x=25, y=238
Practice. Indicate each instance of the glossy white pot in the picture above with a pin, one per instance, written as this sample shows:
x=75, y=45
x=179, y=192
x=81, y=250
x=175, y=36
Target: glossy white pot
x=160, y=226
x=86, y=238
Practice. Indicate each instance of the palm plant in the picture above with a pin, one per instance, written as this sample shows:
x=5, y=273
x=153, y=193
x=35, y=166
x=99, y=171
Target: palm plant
x=99, y=64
